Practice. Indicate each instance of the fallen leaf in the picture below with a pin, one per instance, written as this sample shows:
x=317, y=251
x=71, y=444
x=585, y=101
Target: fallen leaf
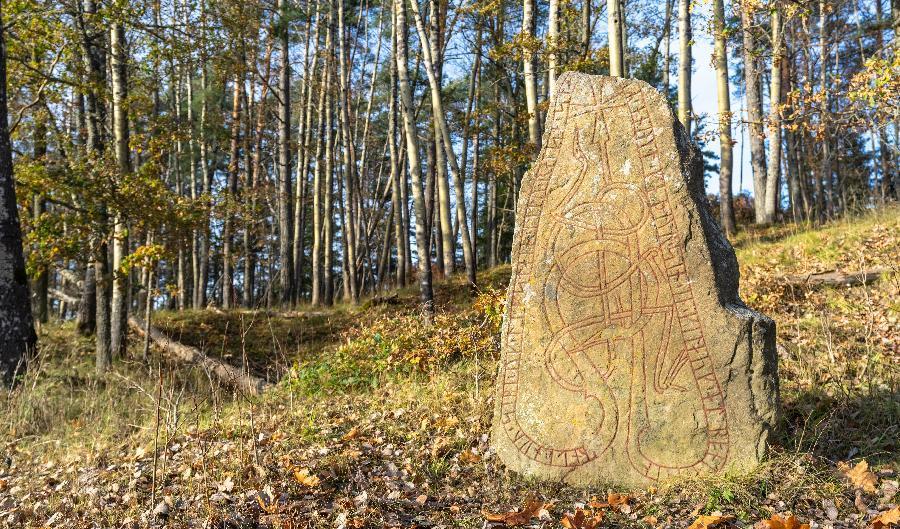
x=468, y=457
x=614, y=500
x=531, y=509
x=422, y=499
x=267, y=501
x=777, y=522
x=582, y=519
x=887, y=519
x=859, y=475
x=707, y=521
x=352, y=434
x=306, y=479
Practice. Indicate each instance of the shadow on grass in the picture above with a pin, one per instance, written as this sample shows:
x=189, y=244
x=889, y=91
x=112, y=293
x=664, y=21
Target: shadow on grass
x=865, y=424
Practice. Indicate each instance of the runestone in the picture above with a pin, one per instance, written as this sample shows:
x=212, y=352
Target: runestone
x=627, y=355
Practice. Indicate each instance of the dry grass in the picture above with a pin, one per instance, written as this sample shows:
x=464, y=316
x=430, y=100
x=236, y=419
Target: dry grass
x=393, y=416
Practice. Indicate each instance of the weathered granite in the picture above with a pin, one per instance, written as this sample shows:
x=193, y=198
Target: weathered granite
x=627, y=355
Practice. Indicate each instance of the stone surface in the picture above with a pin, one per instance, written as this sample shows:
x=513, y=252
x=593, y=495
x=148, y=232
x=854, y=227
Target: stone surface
x=627, y=355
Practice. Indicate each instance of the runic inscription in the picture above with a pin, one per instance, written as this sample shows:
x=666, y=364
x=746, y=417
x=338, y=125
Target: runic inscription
x=627, y=355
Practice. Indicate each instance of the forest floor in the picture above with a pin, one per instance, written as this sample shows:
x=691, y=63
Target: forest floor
x=380, y=421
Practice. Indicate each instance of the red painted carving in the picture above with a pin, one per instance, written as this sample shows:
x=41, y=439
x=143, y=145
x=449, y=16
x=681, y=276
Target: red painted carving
x=617, y=301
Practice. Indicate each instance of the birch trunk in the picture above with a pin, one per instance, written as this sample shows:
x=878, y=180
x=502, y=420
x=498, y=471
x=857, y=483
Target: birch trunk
x=412, y=157
x=311, y=61
x=726, y=149
x=552, y=45
x=349, y=161
x=773, y=174
x=443, y=132
x=755, y=127
x=614, y=28
x=397, y=203
x=685, y=110
x=119, y=315
x=534, y=118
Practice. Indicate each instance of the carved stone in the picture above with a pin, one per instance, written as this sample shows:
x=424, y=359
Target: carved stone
x=627, y=355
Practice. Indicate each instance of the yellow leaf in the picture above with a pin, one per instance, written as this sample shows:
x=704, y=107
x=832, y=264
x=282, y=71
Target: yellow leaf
x=777, y=522
x=531, y=509
x=352, y=434
x=887, y=519
x=468, y=457
x=708, y=521
x=582, y=519
x=306, y=479
x=860, y=475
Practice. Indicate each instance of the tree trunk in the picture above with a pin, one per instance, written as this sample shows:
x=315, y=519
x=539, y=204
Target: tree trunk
x=773, y=174
x=302, y=188
x=206, y=171
x=230, y=195
x=41, y=282
x=458, y=184
x=552, y=45
x=397, y=204
x=17, y=337
x=349, y=159
x=614, y=31
x=754, y=114
x=585, y=28
x=726, y=148
x=826, y=175
x=330, y=141
x=285, y=216
x=316, y=287
x=86, y=319
x=667, y=48
x=119, y=316
x=685, y=108
x=534, y=118
x=412, y=157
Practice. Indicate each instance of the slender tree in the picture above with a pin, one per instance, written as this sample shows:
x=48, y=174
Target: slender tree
x=614, y=31
x=17, y=337
x=285, y=216
x=773, y=173
x=685, y=109
x=755, y=127
x=412, y=157
x=726, y=148
x=119, y=307
x=531, y=90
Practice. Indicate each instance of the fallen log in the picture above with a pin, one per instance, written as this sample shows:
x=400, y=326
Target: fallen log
x=838, y=278
x=185, y=353
x=71, y=277
x=64, y=296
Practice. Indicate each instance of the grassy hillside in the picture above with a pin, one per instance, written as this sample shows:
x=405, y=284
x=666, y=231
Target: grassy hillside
x=381, y=421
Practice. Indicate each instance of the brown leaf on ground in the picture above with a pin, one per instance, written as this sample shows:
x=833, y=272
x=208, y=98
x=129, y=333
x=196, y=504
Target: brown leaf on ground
x=582, y=519
x=306, y=479
x=777, y=522
x=859, y=475
x=613, y=500
x=267, y=501
x=468, y=457
x=887, y=519
x=531, y=509
x=708, y=521
x=352, y=434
